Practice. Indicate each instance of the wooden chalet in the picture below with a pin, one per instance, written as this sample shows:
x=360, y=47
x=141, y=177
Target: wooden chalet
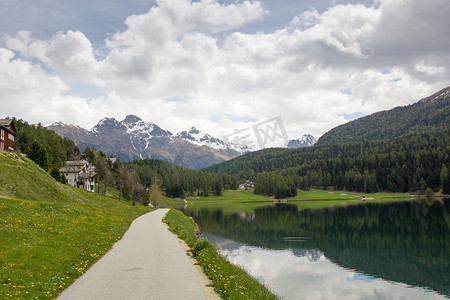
x=7, y=135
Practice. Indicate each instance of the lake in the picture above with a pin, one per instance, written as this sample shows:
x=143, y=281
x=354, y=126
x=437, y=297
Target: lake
x=396, y=250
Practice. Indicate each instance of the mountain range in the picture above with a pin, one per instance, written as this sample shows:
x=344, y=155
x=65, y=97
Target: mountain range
x=132, y=138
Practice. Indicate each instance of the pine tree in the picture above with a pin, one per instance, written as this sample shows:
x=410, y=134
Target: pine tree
x=38, y=154
x=55, y=174
x=219, y=186
x=443, y=175
x=446, y=185
x=63, y=179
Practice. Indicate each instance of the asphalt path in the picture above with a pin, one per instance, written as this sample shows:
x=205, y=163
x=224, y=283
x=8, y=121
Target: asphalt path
x=149, y=262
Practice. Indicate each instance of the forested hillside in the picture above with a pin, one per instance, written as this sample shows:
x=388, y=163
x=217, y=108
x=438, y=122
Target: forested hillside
x=430, y=113
x=178, y=181
x=411, y=163
x=43, y=146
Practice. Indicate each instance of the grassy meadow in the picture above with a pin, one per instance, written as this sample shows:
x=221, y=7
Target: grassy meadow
x=50, y=233
x=245, y=201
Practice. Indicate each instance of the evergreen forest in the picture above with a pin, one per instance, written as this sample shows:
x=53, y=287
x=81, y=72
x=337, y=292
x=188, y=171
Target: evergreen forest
x=43, y=146
x=412, y=163
x=179, y=181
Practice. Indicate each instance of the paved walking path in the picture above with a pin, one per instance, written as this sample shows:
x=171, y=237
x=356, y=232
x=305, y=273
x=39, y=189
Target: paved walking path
x=149, y=262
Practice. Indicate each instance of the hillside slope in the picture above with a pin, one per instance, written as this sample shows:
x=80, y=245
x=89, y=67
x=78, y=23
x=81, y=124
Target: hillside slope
x=429, y=113
x=409, y=163
x=51, y=233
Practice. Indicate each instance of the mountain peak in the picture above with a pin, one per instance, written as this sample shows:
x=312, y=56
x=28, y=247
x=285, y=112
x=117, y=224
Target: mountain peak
x=62, y=127
x=106, y=124
x=132, y=119
x=194, y=130
x=306, y=140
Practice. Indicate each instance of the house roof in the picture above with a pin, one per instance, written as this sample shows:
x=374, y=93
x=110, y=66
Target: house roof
x=70, y=169
x=74, y=166
x=81, y=163
x=79, y=166
x=90, y=173
x=8, y=125
x=5, y=122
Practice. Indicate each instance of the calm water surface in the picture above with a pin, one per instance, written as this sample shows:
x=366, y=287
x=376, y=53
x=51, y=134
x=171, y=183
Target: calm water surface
x=371, y=251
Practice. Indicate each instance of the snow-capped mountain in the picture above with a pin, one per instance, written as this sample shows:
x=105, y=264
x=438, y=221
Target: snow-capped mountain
x=132, y=138
x=201, y=138
x=136, y=126
x=306, y=140
x=198, y=137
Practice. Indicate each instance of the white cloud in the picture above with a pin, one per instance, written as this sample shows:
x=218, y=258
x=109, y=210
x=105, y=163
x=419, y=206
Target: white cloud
x=29, y=92
x=194, y=51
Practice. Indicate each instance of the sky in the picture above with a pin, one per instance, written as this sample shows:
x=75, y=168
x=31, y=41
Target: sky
x=219, y=65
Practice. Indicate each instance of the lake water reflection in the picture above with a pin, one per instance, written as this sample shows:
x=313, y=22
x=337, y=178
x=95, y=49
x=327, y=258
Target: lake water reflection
x=370, y=251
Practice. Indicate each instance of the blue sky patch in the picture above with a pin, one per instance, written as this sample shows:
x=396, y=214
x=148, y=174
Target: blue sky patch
x=347, y=91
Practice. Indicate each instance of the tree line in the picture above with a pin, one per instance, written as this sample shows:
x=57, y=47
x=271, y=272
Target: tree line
x=45, y=147
x=115, y=174
x=411, y=163
x=146, y=181
x=268, y=184
x=180, y=182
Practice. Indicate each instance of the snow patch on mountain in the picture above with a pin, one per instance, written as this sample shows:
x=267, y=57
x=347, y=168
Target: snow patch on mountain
x=106, y=123
x=306, y=140
x=201, y=138
x=198, y=137
x=135, y=126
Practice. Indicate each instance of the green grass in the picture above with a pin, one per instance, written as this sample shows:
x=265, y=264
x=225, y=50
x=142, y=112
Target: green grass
x=228, y=280
x=51, y=233
x=321, y=198
x=248, y=196
x=343, y=195
x=237, y=201
x=231, y=196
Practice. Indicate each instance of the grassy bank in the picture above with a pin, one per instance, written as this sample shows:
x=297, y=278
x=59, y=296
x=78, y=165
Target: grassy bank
x=231, y=196
x=51, y=233
x=344, y=195
x=228, y=280
x=236, y=201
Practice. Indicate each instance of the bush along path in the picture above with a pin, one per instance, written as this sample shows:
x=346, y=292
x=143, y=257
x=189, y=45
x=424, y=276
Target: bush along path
x=228, y=280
